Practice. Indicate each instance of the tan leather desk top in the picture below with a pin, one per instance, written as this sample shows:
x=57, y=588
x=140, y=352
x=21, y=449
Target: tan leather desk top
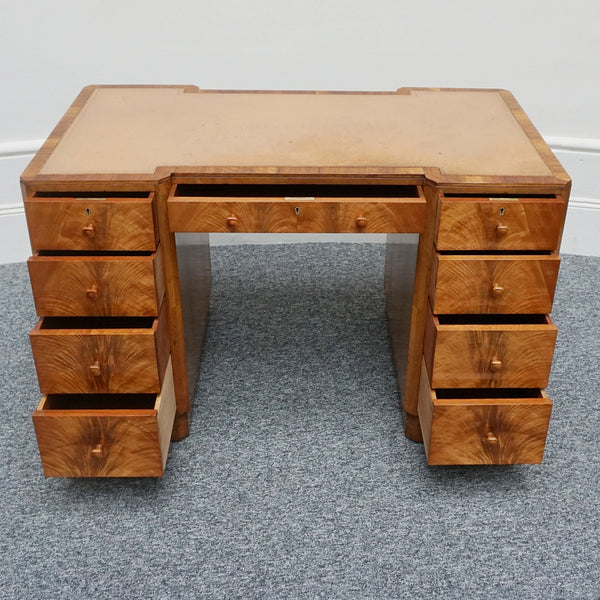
x=125, y=130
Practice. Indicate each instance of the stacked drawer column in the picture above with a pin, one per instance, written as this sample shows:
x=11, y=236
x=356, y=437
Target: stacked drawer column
x=101, y=346
x=488, y=339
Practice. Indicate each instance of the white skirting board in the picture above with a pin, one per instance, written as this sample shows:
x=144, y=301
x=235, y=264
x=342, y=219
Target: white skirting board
x=580, y=157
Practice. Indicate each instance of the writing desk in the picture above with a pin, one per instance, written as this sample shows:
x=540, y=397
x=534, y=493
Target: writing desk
x=123, y=304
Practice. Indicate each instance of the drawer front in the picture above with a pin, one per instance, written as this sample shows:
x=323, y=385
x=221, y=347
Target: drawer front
x=100, y=355
x=483, y=430
x=500, y=224
x=462, y=284
x=489, y=355
x=96, y=285
x=299, y=216
x=91, y=224
x=118, y=436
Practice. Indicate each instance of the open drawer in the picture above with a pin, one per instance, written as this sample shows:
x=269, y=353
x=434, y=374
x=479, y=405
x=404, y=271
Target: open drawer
x=106, y=435
x=471, y=351
x=483, y=427
x=297, y=208
x=101, y=355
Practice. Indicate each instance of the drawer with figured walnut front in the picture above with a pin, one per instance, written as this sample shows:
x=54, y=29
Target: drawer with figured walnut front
x=101, y=346
x=489, y=340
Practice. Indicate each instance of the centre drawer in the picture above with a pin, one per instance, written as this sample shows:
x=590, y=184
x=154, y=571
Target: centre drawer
x=96, y=285
x=297, y=209
x=112, y=355
x=463, y=351
x=491, y=283
x=479, y=427
x=100, y=435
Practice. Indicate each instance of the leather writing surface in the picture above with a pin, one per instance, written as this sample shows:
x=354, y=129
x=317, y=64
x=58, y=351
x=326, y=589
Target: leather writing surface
x=136, y=130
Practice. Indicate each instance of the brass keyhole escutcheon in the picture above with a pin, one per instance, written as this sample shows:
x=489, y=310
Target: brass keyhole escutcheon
x=97, y=451
x=297, y=210
x=88, y=212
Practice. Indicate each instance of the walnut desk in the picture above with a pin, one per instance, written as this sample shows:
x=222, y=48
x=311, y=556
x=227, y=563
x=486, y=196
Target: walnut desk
x=123, y=304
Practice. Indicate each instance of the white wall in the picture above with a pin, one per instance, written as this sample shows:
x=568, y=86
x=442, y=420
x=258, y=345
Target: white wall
x=547, y=53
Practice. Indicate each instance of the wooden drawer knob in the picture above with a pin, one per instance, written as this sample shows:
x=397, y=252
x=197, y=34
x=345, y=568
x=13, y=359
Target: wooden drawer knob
x=95, y=369
x=92, y=292
x=491, y=438
x=97, y=451
x=361, y=222
x=497, y=290
x=232, y=221
x=495, y=364
x=89, y=230
x=501, y=230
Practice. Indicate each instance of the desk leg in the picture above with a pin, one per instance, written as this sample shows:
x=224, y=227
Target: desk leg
x=191, y=301
x=400, y=269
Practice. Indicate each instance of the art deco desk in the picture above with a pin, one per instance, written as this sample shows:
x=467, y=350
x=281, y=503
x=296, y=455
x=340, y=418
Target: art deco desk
x=123, y=304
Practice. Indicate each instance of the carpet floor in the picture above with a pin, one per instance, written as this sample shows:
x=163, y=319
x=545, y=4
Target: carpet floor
x=296, y=480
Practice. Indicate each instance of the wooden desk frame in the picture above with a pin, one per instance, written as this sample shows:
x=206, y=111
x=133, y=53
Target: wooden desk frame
x=182, y=293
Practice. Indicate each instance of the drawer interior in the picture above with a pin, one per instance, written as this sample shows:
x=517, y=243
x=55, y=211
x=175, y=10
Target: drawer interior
x=54, y=323
x=92, y=195
x=482, y=395
x=296, y=191
x=98, y=402
x=491, y=319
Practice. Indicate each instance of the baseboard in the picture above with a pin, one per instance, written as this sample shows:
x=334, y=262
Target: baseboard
x=579, y=156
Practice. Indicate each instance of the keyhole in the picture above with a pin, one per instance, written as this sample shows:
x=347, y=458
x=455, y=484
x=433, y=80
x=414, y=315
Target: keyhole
x=502, y=212
x=88, y=212
x=297, y=209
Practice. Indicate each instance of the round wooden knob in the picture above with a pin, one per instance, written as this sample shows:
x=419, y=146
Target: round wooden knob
x=95, y=369
x=497, y=290
x=495, y=364
x=232, y=221
x=361, y=222
x=97, y=451
x=89, y=230
x=491, y=438
x=92, y=292
x=501, y=230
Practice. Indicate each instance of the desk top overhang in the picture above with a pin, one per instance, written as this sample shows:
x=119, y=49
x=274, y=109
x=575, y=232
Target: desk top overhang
x=141, y=134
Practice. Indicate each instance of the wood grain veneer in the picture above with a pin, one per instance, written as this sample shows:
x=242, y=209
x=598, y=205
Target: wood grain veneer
x=509, y=353
x=100, y=355
x=116, y=436
x=104, y=285
x=497, y=284
x=467, y=223
x=123, y=224
x=471, y=430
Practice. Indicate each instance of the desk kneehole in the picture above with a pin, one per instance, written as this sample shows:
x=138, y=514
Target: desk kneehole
x=106, y=435
x=478, y=426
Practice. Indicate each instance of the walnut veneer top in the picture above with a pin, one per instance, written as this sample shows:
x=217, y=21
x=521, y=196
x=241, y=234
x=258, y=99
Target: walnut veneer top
x=135, y=130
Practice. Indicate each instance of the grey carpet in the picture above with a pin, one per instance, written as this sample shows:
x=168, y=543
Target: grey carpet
x=296, y=480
